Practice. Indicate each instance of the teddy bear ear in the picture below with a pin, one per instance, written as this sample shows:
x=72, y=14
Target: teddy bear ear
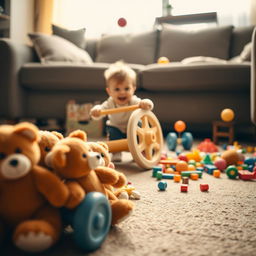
x=59, y=156
x=58, y=135
x=78, y=134
x=103, y=144
x=27, y=130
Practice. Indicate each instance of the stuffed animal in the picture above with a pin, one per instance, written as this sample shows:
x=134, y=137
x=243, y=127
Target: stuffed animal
x=121, y=189
x=47, y=141
x=29, y=194
x=73, y=159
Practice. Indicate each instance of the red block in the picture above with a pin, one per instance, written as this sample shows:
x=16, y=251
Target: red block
x=204, y=187
x=184, y=188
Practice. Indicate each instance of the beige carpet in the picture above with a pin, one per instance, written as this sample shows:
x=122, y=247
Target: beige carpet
x=219, y=222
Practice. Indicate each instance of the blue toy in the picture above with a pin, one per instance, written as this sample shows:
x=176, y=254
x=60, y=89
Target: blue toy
x=90, y=221
x=162, y=185
x=186, y=139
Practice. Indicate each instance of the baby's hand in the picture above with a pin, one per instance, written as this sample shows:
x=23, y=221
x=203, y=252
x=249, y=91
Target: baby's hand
x=146, y=104
x=95, y=112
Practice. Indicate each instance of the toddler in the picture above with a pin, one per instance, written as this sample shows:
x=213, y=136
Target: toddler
x=120, y=87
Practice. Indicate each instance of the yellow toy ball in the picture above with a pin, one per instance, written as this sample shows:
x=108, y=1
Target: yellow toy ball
x=163, y=60
x=227, y=115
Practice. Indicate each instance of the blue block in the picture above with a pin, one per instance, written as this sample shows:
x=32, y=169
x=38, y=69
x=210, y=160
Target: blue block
x=209, y=168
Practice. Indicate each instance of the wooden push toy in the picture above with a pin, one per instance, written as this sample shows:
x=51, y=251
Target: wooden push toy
x=144, y=136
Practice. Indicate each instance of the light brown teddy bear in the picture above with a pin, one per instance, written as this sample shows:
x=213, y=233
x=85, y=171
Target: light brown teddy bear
x=47, y=141
x=73, y=159
x=102, y=148
x=29, y=194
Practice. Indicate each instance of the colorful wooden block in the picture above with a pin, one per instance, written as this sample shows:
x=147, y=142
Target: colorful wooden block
x=194, y=176
x=185, y=180
x=204, y=187
x=184, y=188
x=216, y=173
x=177, y=177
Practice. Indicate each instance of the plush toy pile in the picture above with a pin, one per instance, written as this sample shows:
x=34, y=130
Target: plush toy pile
x=41, y=171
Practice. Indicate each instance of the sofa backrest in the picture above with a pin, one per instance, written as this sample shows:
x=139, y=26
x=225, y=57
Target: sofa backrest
x=137, y=48
x=171, y=41
x=177, y=43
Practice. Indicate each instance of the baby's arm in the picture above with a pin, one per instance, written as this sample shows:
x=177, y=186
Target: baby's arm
x=146, y=104
x=95, y=112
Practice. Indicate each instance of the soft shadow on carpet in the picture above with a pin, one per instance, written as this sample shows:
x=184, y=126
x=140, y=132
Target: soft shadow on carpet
x=219, y=222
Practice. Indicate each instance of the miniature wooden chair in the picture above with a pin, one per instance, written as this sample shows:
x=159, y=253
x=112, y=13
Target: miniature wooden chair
x=223, y=129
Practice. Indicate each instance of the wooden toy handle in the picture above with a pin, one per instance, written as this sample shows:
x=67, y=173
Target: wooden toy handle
x=118, y=110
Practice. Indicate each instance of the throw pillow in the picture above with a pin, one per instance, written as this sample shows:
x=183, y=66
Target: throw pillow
x=246, y=52
x=177, y=43
x=137, y=48
x=50, y=48
x=74, y=36
x=245, y=55
x=202, y=59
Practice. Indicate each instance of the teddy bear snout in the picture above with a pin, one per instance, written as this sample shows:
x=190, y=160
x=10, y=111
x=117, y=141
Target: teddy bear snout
x=94, y=160
x=15, y=166
x=14, y=162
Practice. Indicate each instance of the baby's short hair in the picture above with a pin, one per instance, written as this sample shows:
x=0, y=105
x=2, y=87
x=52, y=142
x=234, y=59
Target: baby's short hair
x=119, y=71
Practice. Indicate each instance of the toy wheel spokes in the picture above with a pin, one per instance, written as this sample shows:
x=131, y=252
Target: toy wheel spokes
x=145, y=139
x=92, y=221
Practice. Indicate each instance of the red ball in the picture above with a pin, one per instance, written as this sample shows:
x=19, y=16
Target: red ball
x=220, y=163
x=122, y=22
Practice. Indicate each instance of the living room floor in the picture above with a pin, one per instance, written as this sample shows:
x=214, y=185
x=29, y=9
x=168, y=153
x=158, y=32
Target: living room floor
x=218, y=222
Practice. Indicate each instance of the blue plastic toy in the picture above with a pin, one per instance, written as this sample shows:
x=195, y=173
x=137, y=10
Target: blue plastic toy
x=90, y=221
x=173, y=140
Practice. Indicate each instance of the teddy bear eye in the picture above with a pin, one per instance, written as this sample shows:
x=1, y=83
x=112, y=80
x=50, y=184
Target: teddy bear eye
x=47, y=149
x=84, y=155
x=18, y=150
x=102, y=154
x=2, y=155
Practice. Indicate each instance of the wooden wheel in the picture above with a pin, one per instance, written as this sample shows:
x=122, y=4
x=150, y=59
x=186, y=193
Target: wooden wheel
x=145, y=138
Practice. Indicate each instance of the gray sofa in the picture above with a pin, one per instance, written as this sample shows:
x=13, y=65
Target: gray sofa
x=193, y=89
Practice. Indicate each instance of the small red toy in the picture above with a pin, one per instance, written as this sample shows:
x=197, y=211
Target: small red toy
x=204, y=187
x=184, y=188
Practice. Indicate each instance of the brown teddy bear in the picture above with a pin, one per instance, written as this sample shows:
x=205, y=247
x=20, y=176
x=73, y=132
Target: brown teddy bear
x=47, y=141
x=121, y=189
x=73, y=159
x=29, y=194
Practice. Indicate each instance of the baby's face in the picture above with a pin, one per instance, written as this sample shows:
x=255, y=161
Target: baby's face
x=121, y=92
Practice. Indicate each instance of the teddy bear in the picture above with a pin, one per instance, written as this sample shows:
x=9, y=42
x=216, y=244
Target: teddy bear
x=72, y=159
x=47, y=141
x=121, y=189
x=29, y=193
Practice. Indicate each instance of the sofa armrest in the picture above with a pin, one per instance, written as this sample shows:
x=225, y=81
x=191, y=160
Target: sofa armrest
x=12, y=57
x=253, y=77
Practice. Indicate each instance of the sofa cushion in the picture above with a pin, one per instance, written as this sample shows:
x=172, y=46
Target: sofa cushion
x=178, y=43
x=51, y=48
x=131, y=48
x=239, y=38
x=65, y=76
x=178, y=77
x=76, y=37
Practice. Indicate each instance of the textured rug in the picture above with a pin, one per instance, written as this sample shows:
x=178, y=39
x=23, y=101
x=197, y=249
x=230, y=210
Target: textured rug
x=221, y=221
